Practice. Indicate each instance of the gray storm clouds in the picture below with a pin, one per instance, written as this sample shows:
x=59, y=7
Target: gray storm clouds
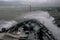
x=36, y=2
x=39, y=1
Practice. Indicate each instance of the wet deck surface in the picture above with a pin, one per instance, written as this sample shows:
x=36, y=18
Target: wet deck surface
x=5, y=37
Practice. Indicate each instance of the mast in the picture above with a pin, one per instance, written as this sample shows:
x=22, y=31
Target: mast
x=30, y=8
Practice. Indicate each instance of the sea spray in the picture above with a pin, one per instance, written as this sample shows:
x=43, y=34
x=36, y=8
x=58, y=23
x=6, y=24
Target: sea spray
x=7, y=24
x=45, y=19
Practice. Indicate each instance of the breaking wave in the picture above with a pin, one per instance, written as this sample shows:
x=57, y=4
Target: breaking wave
x=46, y=20
x=6, y=24
x=41, y=16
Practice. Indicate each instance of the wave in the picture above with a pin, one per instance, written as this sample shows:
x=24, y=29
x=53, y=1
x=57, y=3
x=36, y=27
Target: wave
x=7, y=24
x=45, y=19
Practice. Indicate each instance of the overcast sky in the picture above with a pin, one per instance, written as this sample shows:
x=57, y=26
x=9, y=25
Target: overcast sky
x=32, y=1
x=36, y=2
